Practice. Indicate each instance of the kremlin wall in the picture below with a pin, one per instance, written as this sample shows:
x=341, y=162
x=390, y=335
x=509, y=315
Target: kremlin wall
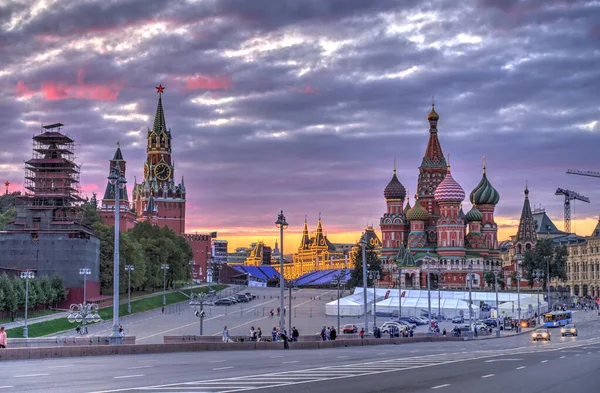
x=433, y=234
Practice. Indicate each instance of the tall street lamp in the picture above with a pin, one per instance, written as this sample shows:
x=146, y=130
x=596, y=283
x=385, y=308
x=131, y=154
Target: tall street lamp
x=26, y=275
x=338, y=279
x=439, y=271
x=363, y=243
x=129, y=269
x=496, y=272
x=198, y=300
x=470, y=279
x=374, y=275
x=537, y=277
x=164, y=268
x=85, y=272
x=547, y=258
x=519, y=277
x=428, y=259
x=192, y=263
x=282, y=224
x=118, y=181
x=399, y=278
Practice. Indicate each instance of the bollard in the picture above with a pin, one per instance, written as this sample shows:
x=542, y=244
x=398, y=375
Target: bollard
x=241, y=310
x=310, y=312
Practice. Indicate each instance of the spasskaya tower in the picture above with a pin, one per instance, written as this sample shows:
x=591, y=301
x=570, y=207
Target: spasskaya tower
x=158, y=198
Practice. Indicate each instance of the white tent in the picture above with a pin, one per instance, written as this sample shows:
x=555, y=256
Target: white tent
x=352, y=305
x=529, y=307
x=448, y=308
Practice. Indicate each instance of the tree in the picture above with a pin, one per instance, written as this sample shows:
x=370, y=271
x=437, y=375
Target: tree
x=47, y=293
x=490, y=279
x=90, y=212
x=373, y=263
x=58, y=288
x=11, y=302
x=7, y=217
x=540, y=256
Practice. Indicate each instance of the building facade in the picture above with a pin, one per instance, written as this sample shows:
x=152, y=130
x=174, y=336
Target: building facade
x=436, y=231
x=583, y=266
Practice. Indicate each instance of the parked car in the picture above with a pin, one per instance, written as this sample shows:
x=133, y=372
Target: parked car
x=408, y=324
x=479, y=326
x=224, y=302
x=232, y=298
x=541, y=334
x=242, y=298
x=349, y=329
x=387, y=327
x=569, y=330
x=252, y=296
x=490, y=322
x=458, y=319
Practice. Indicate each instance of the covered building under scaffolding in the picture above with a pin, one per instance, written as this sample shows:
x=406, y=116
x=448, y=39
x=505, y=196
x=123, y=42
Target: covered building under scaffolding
x=48, y=235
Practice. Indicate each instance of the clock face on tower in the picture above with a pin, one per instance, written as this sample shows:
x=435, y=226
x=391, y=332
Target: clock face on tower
x=162, y=171
x=146, y=171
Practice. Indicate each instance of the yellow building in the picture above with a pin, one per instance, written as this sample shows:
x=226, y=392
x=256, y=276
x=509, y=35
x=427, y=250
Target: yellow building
x=583, y=266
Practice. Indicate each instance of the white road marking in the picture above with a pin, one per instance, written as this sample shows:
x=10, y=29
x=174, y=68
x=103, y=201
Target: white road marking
x=520, y=368
x=29, y=375
x=275, y=357
x=63, y=366
x=217, y=361
x=487, y=376
x=6, y=387
x=138, y=367
x=562, y=357
x=222, y=368
x=440, y=386
x=382, y=353
x=292, y=361
x=544, y=361
x=502, y=360
x=342, y=357
x=129, y=376
x=577, y=355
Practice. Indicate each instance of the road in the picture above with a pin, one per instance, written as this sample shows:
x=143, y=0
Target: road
x=514, y=364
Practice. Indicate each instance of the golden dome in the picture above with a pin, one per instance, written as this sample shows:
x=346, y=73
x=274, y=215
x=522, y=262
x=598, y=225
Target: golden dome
x=433, y=114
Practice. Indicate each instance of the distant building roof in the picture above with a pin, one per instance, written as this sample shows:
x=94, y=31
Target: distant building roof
x=544, y=225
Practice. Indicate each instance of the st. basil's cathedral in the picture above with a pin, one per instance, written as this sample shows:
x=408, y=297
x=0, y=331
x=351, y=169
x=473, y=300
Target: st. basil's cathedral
x=158, y=198
x=436, y=226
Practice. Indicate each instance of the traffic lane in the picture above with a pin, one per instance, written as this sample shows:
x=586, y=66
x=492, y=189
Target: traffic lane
x=515, y=373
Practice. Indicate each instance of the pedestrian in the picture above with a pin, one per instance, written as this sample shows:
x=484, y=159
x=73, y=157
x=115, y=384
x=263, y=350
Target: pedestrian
x=274, y=334
x=162, y=309
x=328, y=334
x=295, y=334
x=362, y=333
x=3, y=342
x=323, y=334
x=259, y=334
x=225, y=334
x=252, y=334
x=278, y=311
x=271, y=312
x=333, y=333
x=444, y=332
x=284, y=337
x=121, y=331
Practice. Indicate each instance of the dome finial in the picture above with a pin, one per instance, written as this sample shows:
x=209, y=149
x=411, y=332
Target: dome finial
x=394, y=165
x=483, y=160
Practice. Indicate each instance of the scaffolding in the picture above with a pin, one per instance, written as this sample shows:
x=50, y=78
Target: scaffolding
x=52, y=176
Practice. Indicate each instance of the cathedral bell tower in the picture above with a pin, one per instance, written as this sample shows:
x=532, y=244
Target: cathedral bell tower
x=158, y=189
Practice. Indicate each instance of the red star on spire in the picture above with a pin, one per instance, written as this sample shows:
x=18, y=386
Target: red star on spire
x=6, y=183
x=160, y=89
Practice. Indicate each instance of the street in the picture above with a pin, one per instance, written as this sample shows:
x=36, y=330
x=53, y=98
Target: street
x=496, y=365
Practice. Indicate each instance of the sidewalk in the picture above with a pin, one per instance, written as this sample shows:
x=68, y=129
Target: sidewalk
x=65, y=314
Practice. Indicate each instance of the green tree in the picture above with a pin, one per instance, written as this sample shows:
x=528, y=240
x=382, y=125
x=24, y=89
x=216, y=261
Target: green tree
x=491, y=280
x=373, y=263
x=90, y=212
x=7, y=217
x=47, y=293
x=58, y=288
x=540, y=256
x=11, y=301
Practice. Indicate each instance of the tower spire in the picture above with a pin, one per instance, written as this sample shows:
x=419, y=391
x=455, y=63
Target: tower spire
x=526, y=231
x=160, y=125
x=434, y=155
x=483, y=161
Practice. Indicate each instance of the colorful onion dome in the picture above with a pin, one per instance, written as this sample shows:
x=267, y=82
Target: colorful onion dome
x=394, y=189
x=449, y=190
x=417, y=213
x=432, y=115
x=484, y=193
x=474, y=215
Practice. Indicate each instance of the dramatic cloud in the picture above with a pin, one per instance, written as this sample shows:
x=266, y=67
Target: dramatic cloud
x=303, y=105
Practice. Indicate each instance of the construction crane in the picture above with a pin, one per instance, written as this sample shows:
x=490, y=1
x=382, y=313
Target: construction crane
x=570, y=196
x=583, y=173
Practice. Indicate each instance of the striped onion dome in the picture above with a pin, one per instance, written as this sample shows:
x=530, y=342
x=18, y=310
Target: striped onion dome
x=417, y=213
x=474, y=215
x=449, y=190
x=485, y=193
x=394, y=189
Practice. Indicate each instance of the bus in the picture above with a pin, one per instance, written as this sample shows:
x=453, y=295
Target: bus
x=558, y=318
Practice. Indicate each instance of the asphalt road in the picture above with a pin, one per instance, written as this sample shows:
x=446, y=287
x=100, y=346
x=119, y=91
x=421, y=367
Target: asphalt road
x=493, y=366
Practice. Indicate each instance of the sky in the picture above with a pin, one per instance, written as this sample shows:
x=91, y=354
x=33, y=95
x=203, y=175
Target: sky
x=303, y=105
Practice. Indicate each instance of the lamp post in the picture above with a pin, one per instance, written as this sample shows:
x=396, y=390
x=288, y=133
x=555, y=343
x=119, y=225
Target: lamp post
x=85, y=272
x=519, y=277
x=84, y=313
x=428, y=259
x=438, y=270
x=400, y=274
x=338, y=279
x=192, y=263
x=26, y=275
x=374, y=275
x=547, y=258
x=164, y=268
x=118, y=180
x=282, y=224
x=363, y=244
x=537, y=277
x=198, y=299
x=129, y=269
x=470, y=279
x=496, y=272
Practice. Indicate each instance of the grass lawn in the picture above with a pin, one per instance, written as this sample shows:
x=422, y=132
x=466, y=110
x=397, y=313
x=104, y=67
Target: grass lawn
x=51, y=327
x=30, y=314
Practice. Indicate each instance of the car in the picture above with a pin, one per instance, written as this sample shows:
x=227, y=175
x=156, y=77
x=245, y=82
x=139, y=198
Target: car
x=490, y=322
x=479, y=326
x=569, y=330
x=408, y=324
x=458, y=319
x=232, y=298
x=541, y=334
x=250, y=295
x=224, y=302
x=388, y=326
x=242, y=298
x=348, y=329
